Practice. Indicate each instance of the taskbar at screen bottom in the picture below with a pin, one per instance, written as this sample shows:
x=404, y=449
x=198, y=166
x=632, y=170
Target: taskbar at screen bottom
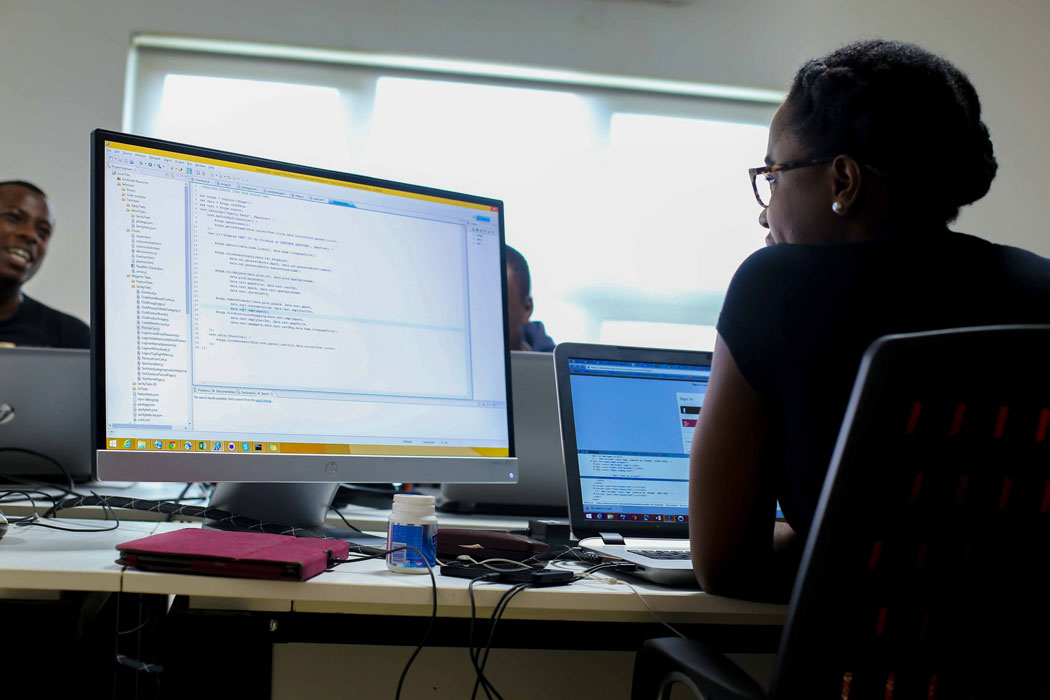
x=241, y=446
x=638, y=517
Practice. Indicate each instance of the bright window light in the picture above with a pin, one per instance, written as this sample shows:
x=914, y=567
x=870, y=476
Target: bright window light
x=693, y=217
x=632, y=221
x=678, y=336
x=478, y=136
x=296, y=123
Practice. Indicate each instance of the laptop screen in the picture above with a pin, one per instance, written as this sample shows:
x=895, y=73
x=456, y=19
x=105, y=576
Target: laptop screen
x=634, y=424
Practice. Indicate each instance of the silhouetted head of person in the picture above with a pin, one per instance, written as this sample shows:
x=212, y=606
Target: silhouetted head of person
x=519, y=296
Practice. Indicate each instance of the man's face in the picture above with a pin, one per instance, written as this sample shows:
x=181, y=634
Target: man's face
x=518, y=310
x=25, y=229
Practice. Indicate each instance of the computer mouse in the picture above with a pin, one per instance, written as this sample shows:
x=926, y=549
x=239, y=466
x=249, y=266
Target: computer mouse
x=3, y=525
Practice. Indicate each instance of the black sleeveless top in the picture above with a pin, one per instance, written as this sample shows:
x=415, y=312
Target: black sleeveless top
x=798, y=319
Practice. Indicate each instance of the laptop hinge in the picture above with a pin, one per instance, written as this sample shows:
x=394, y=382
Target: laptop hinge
x=611, y=538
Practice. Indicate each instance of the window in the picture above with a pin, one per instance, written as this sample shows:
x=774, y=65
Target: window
x=254, y=116
x=633, y=208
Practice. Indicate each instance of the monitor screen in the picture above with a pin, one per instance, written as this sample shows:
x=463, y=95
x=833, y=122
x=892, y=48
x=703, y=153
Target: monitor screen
x=634, y=426
x=261, y=321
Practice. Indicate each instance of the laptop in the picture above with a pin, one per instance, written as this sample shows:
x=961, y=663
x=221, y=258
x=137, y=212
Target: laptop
x=45, y=407
x=627, y=422
x=541, y=472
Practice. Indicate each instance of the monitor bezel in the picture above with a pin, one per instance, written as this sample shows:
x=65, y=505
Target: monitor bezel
x=563, y=352
x=283, y=467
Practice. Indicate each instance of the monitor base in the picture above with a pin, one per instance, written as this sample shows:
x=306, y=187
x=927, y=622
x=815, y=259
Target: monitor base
x=298, y=505
x=302, y=505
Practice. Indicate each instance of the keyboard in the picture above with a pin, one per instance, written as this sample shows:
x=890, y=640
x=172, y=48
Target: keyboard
x=667, y=554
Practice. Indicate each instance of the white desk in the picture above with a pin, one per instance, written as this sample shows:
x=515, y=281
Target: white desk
x=34, y=560
x=362, y=601
x=368, y=588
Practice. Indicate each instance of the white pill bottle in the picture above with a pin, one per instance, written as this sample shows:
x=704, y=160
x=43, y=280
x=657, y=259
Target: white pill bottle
x=412, y=523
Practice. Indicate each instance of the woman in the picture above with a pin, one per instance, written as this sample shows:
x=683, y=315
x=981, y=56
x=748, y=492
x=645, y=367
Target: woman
x=874, y=151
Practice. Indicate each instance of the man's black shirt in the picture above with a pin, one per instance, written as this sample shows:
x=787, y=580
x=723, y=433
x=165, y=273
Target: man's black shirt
x=37, y=325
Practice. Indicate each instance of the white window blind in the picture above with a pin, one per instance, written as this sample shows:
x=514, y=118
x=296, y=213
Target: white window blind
x=632, y=207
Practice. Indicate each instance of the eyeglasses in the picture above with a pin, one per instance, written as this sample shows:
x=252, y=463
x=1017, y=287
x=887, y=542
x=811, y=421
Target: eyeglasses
x=763, y=184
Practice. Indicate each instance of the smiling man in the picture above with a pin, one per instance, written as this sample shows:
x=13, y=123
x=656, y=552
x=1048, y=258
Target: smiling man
x=26, y=224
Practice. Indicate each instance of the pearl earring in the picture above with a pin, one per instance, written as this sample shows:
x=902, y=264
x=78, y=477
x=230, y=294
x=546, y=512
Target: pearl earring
x=837, y=207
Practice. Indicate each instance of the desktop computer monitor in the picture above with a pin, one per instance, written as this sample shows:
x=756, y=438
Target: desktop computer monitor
x=258, y=321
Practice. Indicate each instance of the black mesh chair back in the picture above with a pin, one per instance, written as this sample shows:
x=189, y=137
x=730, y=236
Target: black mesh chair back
x=926, y=574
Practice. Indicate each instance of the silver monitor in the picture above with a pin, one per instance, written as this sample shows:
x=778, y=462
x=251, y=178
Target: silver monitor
x=257, y=321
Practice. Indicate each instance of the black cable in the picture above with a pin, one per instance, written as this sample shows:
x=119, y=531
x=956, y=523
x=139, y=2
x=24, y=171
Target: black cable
x=26, y=494
x=430, y=625
x=563, y=551
x=223, y=517
x=482, y=659
x=138, y=650
x=609, y=565
x=497, y=615
x=479, y=676
x=365, y=552
x=39, y=484
x=347, y=522
x=52, y=460
x=377, y=553
x=137, y=627
x=182, y=495
x=34, y=518
x=116, y=635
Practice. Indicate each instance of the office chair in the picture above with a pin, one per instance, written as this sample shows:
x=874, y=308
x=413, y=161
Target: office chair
x=925, y=572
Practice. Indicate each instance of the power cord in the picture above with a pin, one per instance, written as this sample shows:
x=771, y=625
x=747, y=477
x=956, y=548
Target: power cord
x=108, y=503
x=522, y=581
x=347, y=522
x=479, y=674
x=182, y=497
x=589, y=574
x=35, y=519
x=564, y=553
x=46, y=458
x=223, y=517
x=376, y=554
x=481, y=659
x=38, y=488
x=495, y=564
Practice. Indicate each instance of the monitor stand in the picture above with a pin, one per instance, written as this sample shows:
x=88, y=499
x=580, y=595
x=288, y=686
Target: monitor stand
x=302, y=505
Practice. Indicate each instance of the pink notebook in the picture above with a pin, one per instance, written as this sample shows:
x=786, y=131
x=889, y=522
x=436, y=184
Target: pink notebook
x=243, y=554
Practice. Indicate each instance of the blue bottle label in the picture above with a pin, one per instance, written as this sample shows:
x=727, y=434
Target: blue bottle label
x=422, y=537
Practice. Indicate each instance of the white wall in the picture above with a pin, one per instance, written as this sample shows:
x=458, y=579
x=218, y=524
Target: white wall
x=62, y=68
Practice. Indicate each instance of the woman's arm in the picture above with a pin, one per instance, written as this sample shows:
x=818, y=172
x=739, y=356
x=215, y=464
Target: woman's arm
x=731, y=492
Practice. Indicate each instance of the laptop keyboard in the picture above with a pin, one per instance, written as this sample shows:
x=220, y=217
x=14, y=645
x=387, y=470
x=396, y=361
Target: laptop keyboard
x=674, y=554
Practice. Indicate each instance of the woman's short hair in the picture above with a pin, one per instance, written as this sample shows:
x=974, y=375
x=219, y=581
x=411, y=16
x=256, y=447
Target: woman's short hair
x=907, y=114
